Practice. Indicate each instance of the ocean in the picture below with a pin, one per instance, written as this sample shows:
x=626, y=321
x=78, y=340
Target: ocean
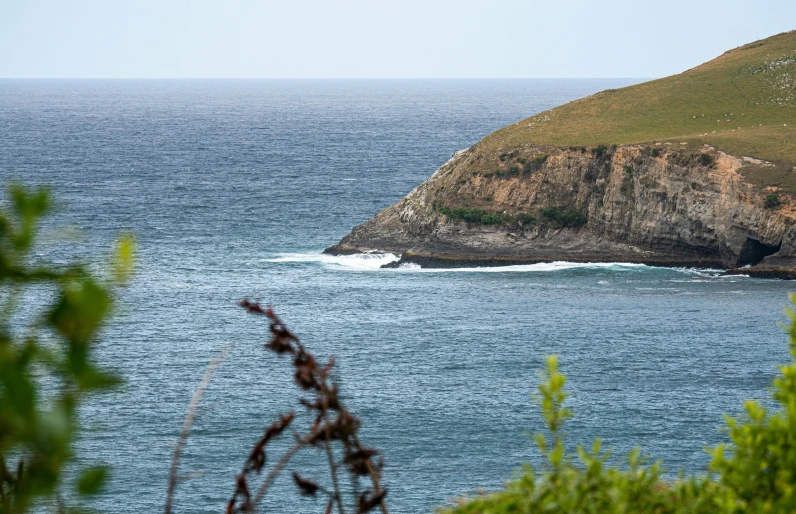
x=233, y=188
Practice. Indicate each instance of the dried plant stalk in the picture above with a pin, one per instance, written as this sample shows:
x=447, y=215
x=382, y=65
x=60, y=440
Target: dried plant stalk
x=188, y=423
x=333, y=427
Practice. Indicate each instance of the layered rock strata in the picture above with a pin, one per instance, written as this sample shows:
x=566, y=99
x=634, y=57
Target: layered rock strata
x=658, y=204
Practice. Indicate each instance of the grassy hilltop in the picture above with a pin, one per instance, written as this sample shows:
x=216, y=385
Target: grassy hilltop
x=743, y=102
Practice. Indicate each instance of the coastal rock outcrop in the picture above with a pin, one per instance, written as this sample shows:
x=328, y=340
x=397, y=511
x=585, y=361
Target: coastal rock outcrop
x=665, y=204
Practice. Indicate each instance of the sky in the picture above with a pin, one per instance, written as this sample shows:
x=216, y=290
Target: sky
x=376, y=39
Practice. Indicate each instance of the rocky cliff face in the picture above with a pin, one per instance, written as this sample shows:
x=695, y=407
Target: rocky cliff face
x=664, y=204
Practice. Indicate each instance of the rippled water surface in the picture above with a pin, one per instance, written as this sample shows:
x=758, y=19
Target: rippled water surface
x=234, y=187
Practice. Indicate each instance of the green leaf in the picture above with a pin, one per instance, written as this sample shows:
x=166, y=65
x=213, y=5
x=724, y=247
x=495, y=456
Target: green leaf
x=80, y=310
x=123, y=262
x=92, y=479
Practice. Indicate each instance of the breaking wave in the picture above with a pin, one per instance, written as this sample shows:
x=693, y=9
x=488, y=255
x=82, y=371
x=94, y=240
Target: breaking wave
x=375, y=260
x=358, y=261
x=539, y=267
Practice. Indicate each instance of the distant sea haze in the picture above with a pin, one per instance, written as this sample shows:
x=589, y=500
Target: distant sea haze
x=234, y=187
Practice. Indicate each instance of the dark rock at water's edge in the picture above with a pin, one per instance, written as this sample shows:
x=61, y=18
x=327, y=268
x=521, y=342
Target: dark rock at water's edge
x=775, y=273
x=451, y=261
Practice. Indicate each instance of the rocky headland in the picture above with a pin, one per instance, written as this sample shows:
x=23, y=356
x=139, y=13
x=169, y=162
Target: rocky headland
x=545, y=190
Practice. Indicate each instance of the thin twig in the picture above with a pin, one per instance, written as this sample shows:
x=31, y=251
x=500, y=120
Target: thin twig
x=374, y=478
x=278, y=467
x=332, y=465
x=186, y=426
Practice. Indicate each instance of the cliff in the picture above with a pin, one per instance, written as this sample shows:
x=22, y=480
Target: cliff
x=624, y=204
x=666, y=191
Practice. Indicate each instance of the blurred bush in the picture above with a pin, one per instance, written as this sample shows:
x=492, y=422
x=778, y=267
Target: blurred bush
x=46, y=358
x=754, y=472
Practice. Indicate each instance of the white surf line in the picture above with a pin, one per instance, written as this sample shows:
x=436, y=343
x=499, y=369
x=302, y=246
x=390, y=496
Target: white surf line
x=358, y=261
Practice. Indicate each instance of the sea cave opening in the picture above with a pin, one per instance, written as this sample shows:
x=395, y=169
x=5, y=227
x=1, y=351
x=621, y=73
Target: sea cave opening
x=753, y=251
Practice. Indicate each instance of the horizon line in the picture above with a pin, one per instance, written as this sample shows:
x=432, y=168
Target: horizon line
x=327, y=78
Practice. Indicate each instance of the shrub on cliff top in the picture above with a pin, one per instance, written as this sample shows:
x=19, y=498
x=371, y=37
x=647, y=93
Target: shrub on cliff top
x=754, y=472
x=601, y=151
x=772, y=201
x=706, y=159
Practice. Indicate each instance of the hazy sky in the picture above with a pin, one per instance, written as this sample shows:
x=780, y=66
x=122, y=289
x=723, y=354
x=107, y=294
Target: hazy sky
x=392, y=38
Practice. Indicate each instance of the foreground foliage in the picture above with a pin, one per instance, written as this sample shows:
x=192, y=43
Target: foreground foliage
x=754, y=472
x=353, y=470
x=46, y=364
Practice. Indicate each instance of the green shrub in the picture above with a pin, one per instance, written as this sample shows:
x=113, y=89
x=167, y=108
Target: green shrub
x=500, y=173
x=526, y=219
x=629, y=170
x=514, y=171
x=638, y=160
x=600, y=151
x=534, y=164
x=754, y=472
x=549, y=213
x=772, y=201
x=484, y=217
x=491, y=219
x=569, y=218
x=655, y=152
x=47, y=372
x=705, y=159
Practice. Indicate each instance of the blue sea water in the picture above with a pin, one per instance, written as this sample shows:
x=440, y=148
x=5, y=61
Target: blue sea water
x=234, y=187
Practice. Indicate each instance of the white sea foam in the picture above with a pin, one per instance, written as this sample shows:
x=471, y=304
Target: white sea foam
x=372, y=261
x=375, y=260
x=706, y=272
x=358, y=261
x=539, y=267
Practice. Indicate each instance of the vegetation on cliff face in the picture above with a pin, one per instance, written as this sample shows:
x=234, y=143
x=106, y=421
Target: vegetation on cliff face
x=555, y=217
x=743, y=102
x=755, y=472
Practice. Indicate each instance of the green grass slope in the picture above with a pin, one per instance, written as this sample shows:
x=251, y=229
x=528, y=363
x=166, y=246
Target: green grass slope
x=743, y=102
